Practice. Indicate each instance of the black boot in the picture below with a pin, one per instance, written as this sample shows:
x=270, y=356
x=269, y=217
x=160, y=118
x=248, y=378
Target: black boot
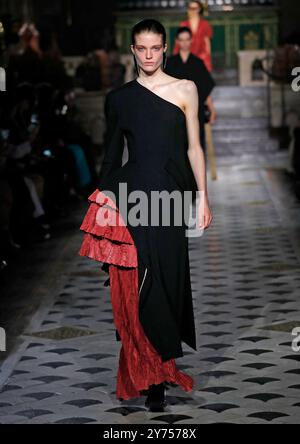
x=156, y=399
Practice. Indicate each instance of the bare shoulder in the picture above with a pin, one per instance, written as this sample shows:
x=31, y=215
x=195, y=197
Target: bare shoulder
x=181, y=83
x=184, y=88
x=187, y=87
x=188, y=94
x=184, y=91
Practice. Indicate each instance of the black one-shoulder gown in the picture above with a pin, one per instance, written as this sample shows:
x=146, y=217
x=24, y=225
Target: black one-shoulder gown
x=156, y=134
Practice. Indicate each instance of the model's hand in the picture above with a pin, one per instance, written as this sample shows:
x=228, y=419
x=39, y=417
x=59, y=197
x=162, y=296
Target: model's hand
x=205, y=215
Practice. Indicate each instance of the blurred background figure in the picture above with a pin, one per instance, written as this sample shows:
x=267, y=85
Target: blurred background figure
x=186, y=65
x=89, y=73
x=201, y=33
x=54, y=71
x=117, y=68
x=26, y=64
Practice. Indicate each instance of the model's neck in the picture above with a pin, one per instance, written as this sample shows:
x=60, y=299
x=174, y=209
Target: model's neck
x=184, y=54
x=151, y=79
x=195, y=19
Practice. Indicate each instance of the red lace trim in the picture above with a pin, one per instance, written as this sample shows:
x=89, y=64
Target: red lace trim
x=139, y=363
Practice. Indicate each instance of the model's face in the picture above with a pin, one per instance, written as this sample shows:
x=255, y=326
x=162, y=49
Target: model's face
x=193, y=10
x=149, y=50
x=185, y=41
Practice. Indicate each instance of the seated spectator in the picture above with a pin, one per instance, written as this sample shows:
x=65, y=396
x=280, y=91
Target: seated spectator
x=54, y=72
x=7, y=244
x=22, y=131
x=88, y=74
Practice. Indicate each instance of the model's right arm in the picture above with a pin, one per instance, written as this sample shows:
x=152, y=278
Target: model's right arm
x=113, y=139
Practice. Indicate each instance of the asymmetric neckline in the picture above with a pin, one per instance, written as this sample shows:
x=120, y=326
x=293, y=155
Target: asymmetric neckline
x=161, y=98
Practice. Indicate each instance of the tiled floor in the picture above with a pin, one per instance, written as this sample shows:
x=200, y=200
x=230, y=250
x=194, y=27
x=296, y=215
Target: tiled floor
x=246, y=282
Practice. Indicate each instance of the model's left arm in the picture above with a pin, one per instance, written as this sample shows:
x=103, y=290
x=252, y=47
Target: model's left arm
x=208, y=45
x=195, y=151
x=208, y=37
x=212, y=109
x=206, y=84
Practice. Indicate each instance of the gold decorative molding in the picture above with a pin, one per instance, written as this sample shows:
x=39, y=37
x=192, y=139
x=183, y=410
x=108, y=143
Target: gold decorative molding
x=251, y=40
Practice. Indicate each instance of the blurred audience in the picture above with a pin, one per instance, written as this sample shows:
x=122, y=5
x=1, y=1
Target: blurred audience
x=46, y=158
x=89, y=74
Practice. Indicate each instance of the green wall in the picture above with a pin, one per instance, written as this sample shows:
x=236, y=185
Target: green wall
x=232, y=32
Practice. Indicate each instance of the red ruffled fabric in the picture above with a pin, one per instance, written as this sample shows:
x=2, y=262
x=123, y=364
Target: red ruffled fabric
x=108, y=240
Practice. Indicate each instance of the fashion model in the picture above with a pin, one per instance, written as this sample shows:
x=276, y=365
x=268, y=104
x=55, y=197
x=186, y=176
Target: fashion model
x=185, y=65
x=202, y=33
x=148, y=263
